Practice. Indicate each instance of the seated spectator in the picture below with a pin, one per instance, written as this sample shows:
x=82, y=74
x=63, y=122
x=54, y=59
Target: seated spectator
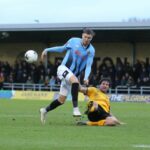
x=117, y=82
x=10, y=78
x=123, y=81
x=130, y=81
x=52, y=82
x=29, y=80
x=121, y=74
x=139, y=83
x=41, y=80
x=145, y=81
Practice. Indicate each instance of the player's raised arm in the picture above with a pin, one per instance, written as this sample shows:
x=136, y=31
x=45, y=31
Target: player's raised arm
x=58, y=49
x=83, y=89
x=43, y=55
x=88, y=69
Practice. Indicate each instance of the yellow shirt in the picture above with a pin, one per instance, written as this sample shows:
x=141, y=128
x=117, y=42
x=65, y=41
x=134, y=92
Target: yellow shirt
x=101, y=98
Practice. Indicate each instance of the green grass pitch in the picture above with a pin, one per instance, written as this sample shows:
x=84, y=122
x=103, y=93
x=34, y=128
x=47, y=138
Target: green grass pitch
x=20, y=128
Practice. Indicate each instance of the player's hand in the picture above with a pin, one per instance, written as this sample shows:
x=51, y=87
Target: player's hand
x=43, y=56
x=86, y=82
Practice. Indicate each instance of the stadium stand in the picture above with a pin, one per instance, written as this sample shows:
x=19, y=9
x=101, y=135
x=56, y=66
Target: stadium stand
x=124, y=77
x=130, y=76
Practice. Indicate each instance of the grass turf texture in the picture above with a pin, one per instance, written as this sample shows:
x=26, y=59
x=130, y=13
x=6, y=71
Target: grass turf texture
x=20, y=128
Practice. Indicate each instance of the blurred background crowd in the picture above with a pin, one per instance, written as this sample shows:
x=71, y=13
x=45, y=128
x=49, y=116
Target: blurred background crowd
x=120, y=74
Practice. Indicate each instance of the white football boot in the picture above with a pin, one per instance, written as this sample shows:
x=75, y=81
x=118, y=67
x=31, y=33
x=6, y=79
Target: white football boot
x=76, y=112
x=43, y=113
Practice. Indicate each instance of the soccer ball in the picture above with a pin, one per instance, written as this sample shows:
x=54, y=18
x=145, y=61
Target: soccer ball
x=31, y=56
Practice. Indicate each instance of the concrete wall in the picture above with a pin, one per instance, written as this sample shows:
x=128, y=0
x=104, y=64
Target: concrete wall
x=143, y=50
x=10, y=52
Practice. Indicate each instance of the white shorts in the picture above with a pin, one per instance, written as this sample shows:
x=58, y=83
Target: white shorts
x=64, y=75
x=65, y=88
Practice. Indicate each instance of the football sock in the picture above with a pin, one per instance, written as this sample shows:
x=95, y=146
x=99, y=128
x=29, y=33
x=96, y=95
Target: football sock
x=74, y=93
x=53, y=105
x=97, y=123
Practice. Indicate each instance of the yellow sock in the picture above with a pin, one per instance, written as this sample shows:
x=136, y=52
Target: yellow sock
x=97, y=123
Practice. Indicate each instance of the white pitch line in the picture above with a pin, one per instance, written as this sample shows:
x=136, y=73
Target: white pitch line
x=141, y=146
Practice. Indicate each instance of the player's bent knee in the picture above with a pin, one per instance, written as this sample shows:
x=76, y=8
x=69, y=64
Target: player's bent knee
x=62, y=99
x=73, y=79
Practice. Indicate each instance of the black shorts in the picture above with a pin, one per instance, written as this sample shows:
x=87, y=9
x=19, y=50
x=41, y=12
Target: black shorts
x=99, y=114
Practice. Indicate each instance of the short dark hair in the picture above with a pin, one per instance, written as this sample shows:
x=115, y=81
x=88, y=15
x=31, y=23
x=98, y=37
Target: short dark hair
x=89, y=31
x=105, y=79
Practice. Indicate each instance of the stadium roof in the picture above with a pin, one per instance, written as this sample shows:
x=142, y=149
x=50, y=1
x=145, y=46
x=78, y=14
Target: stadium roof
x=61, y=32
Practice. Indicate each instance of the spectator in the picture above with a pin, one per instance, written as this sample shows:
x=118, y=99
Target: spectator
x=29, y=80
x=1, y=80
x=123, y=81
x=117, y=82
x=52, y=81
x=41, y=80
x=119, y=71
x=139, y=83
x=130, y=81
x=120, y=74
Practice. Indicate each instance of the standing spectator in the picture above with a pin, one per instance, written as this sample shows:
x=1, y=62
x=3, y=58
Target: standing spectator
x=52, y=81
x=1, y=80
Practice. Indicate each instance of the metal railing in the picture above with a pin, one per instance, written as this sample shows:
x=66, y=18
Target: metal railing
x=42, y=87
x=27, y=86
x=131, y=90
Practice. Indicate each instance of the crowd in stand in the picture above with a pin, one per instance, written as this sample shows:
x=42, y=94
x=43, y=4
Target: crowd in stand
x=123, y=74
x=119, y=73
x=23, y=72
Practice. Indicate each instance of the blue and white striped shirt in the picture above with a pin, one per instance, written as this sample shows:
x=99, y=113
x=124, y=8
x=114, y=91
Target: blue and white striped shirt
x=77, y=57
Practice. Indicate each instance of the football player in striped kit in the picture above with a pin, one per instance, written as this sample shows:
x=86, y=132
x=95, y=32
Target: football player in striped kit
x=79, y=56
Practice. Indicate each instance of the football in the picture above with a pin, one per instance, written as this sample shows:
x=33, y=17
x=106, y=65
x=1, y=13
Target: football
x=31, y=56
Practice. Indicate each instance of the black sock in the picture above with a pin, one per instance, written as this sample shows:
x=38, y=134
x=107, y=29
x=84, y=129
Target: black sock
x=74, y=93
x=53, y=105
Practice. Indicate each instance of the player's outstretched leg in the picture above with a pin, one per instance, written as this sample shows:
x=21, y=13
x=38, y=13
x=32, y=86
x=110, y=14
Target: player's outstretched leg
x=44, y=111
